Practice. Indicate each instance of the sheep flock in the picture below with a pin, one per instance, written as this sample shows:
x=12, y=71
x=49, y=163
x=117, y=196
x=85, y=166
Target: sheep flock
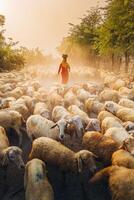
x=66, y=142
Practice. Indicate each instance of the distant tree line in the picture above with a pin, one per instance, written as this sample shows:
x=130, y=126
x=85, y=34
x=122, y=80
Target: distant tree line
x=14, y=57
x=103, y=34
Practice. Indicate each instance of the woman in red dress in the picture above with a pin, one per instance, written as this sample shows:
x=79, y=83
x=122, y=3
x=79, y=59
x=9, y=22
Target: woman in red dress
x=64, y=69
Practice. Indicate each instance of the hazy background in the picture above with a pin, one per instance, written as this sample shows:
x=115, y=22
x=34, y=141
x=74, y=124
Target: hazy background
x=42, y=23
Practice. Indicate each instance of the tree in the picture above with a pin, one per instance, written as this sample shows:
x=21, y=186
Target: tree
x=116, y=35
x=81, y=37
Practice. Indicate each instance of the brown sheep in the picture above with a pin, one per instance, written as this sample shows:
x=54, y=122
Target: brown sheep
x=54, y=153
x=120, y=181
x=100, y=145
x=12, y=119
x=36, y=183
x=9, y=154
x=103, y=114
x=123, y=158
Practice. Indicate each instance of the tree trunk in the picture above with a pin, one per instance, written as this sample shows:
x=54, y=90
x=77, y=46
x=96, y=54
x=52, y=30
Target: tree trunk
x=126, y=61
x=113, y=61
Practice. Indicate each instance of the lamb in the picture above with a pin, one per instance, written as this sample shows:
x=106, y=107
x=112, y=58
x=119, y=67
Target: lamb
x=109, y=95
x=110, y=122
x=120, y=181
x=123, y=158
x=56, y=154
x=9, y=154
x=42, y=109
x=38, y=126
x=12, y=119
x=36, y=183
x=100, y=145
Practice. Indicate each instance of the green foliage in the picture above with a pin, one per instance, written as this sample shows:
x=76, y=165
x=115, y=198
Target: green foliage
x=10, y=56
x=105, y=32
x=81, y=38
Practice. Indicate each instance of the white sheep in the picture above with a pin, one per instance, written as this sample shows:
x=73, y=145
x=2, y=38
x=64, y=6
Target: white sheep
x=42, y=109
x=38, y=126
x=36, y=183
x=110, y=122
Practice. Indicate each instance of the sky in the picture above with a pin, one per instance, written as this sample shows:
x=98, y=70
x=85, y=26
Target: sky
x=43, y=23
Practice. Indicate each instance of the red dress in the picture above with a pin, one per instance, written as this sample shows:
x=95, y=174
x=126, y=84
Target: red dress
x=64, y=69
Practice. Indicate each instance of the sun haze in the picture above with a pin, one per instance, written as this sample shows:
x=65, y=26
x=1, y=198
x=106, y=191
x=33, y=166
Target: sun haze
x=42, y=23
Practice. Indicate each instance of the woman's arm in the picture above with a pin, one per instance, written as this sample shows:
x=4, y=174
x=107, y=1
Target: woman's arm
x=59, y=68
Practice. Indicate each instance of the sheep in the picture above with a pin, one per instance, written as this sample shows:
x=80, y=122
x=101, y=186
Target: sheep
x=93, y=125
x=59, y=112
x=110, y=122
x=71, y=99
x=20, y=108
x=120, y=181
x=36, y=183
x=94, y=106
x=109, y=95
x=82, y=95
x=100, y=145
x=112, y=107
x=16, y=93
x=38, y=126
x=129, y=126
x=126, y=103
x=55, y=100
x=123, y=138
x=103, y=114
x=118, y=84
x=125, y=114
x=56, y=154
x=12, y=119
x=9, y=154
x=42, y=109
x=75, y=110
x=123, y=158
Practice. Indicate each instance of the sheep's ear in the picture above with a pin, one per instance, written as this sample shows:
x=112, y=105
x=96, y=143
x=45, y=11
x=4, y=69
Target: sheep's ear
x=5, y=159
x=54, y=126
x=79, y=161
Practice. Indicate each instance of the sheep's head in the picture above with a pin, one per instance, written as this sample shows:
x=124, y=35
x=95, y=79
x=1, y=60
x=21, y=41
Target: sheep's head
x=77, y=121
x=93, y=125
x=128, y=145
x=13, y=154
x=62, y=125
x=85, y=161
x=111, y=107
x=128, y=126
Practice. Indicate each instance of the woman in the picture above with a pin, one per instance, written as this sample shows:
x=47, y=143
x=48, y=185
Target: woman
x=64, y=69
